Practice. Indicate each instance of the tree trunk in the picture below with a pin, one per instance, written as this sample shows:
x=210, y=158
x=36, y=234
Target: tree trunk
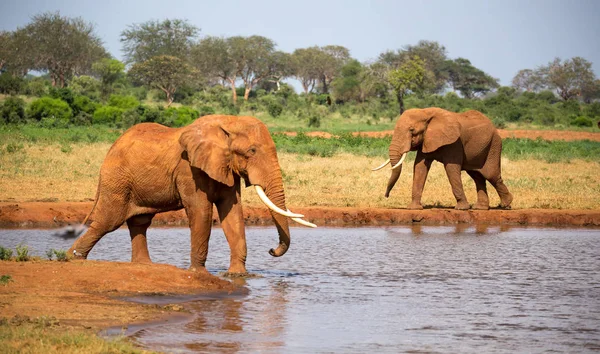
x=400, y=97
x=233, y=92
x=247, y=92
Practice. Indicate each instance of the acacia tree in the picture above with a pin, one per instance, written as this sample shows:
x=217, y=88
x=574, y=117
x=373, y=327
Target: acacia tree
x=433, y=55
x=163, y=72
x=568, y=78
x=152, y=38
x=60, y=45
x=329, y=62
x=252, y=58
x=528, y=80
x=281, y=67
x=467, y=79
x=212, y=57
x=109, y=71
x=305, y=67
x=410, y=76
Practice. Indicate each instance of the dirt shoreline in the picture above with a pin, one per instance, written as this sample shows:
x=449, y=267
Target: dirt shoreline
x=89, y=294
x=58, y=214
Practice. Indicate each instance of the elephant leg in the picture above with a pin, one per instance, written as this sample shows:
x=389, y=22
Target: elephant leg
x=137, y=230
x=420, y=171
x=506, y=197
x=101, y=225
x=453, y=172
x=232, y=221
x=492, y=172
x=200, y=219
x=483, y=201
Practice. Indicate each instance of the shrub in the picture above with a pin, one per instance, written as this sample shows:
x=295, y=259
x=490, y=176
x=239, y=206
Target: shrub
x=5, y=254
x=83, y=104
x=65, y=94
x=314, y=121
x=123, y=102
x=22, y=253
x=11, y=85
x=185, y=116
x=13, y=110
x=61, y=255
x=150, y=114
x=108, y=115
x=582, y=122
x=52, y=108
x=205, y=110
x=274, y=108
x=36, y=87
x=86, y=86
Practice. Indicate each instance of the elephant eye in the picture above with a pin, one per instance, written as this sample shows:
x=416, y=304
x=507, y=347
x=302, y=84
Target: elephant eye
x=251, y=151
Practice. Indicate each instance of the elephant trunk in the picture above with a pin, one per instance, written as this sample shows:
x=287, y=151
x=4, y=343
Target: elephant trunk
x=275, y=192
x=397, y=150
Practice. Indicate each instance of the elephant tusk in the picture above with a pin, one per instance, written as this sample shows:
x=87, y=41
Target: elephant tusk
x=272, y=206
x=303, y=222
x=382, y=166
x=399, y=162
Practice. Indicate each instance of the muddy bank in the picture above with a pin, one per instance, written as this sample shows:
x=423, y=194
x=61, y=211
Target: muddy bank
x=87, y=293
x=523, y=134
x=50, y=215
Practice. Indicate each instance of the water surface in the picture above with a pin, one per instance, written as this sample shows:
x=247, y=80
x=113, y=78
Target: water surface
x=385, y=290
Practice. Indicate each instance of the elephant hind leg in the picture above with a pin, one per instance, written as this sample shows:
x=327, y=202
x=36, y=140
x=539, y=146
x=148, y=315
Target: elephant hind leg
x=483, y=202
x=84, y=244
x=138, y=225
x=506, y=197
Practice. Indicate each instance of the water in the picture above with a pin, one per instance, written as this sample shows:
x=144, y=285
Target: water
x=385, y=290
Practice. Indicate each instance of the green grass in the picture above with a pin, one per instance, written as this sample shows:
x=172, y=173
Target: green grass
x=13, y=136
x=39, y=336
x=550, y=151
x=22, y=253
x=5, y=254
x=513, y=149
x=5, y=279
x=326, y=147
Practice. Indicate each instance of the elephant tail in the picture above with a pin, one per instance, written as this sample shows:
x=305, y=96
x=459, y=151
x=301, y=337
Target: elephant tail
x=95, y=202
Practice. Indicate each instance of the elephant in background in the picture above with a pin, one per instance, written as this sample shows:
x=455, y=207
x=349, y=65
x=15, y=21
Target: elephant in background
x=152, y=168
x=461, y=141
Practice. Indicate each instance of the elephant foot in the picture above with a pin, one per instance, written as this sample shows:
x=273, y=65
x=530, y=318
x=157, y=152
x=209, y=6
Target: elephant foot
x=198, y=269
x=462, y=206
x=505, y=203
x=142, y=260
x=73, y=254
x=479, y=206
x=414, y=206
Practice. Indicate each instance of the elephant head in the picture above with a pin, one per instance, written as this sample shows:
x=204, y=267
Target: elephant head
x=227, y=146
x=419, y=129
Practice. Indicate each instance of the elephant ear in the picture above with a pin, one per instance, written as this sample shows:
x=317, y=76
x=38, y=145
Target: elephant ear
x=208, y=149
x=443, y=129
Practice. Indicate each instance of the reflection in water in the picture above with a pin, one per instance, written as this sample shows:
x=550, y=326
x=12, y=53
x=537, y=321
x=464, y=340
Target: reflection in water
x=451, y=289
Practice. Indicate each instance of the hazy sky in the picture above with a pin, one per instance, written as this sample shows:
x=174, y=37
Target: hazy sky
x=499, y=37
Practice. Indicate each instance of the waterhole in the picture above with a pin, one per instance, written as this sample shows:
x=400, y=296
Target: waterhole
x=397, y=289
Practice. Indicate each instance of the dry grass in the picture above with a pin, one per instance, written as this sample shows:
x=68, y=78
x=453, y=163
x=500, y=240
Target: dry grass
x=54, y=173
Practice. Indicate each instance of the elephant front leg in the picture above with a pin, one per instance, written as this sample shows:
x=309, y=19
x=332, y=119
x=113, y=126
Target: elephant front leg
x=232, y=222
x=420, y=172
x=200, y=219
x=453, y=173
x=483, y=201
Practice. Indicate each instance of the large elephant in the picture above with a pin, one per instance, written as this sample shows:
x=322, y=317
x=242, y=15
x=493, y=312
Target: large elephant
x=152, y=168
x=461, y=141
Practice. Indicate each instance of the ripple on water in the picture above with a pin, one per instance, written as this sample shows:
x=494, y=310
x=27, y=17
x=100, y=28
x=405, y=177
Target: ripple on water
x=400, y=289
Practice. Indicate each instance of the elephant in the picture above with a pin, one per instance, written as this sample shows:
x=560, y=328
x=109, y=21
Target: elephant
x=152, y=168
x=461, y=141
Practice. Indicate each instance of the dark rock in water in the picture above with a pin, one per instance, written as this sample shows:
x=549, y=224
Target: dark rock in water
x=70, y=231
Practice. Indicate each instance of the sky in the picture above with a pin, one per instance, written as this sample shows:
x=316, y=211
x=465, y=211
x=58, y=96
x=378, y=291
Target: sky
x=500, y=37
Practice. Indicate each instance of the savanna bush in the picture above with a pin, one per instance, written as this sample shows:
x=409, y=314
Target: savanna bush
x=11, y=85
x=50, y=108
x=12, y=110
x=86, y=86
x=582, y=122
x=37, y=87
x=123, y=102
x=107, y=115
x=64, y=93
